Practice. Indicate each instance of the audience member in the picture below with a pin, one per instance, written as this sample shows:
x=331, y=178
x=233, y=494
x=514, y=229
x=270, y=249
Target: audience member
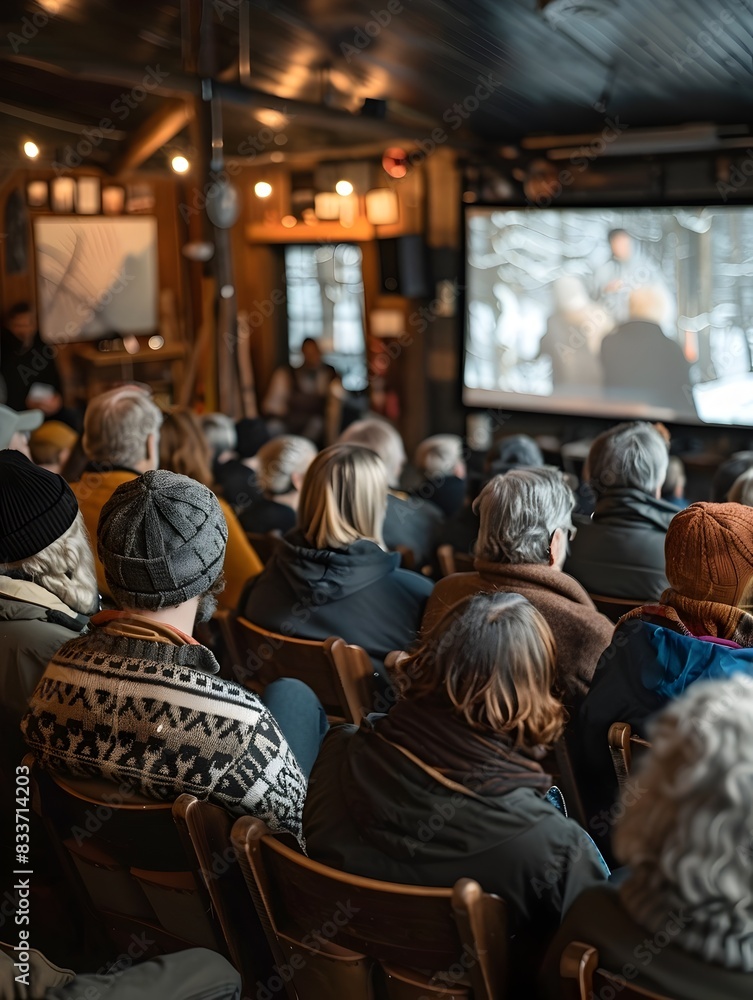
x=741, y=490
x=283, y=462
x=410, y=522
x=449, y=784
x=136, y=700
x=332, y=576
x=682, y=920
x=231, y=454
x=16, y=426
x=47, y=583
x=698, y=630
x=729, y=470
x=515, y=451
x=184, y=449
x=51, y=445
x=619, y=551
x=673, y=490
x=521, y=548
x=121, y=441
x=440, y=461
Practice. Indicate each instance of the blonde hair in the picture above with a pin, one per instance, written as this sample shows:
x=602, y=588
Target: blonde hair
x=65, y=568
x=183, y=447
x=343, y=498
x=493, y=655
x=381, y=437
x=117, y=425
x=280, y=458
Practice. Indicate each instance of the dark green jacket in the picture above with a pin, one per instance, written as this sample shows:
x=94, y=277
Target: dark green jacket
x=371, y=811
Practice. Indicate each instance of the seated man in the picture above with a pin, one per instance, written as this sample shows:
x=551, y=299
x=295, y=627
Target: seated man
x=521, y=548
x=410, y=522
x=304, y=399
x=698, y=630
x=136, y=700
x=440, y=461
x=28, y=367
x=121, y=440
x=619, y=551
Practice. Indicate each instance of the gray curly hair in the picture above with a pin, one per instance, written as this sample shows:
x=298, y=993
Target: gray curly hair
x=687, y=831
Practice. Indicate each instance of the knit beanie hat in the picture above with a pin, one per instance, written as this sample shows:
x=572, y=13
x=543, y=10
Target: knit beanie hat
x=36, y=507
x=709, y=552
x=161, y=539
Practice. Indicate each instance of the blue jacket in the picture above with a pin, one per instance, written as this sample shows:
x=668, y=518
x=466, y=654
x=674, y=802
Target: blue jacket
x=645, y=666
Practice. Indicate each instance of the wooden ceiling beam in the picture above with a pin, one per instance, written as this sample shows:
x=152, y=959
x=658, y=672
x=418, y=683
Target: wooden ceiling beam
x=152, y=134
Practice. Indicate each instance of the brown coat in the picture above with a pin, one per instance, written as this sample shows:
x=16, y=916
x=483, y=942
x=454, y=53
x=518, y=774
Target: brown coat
x=581, y=633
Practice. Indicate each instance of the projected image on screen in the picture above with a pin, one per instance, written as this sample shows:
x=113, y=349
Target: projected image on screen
x=631, y=313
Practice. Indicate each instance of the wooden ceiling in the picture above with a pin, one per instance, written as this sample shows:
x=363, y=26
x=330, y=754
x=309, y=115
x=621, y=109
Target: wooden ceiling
x=295, y=80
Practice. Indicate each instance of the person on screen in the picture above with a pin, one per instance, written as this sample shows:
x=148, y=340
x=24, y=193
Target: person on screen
x=573, y=337
x=642, y=365
x=300, y=397
x=624, y=271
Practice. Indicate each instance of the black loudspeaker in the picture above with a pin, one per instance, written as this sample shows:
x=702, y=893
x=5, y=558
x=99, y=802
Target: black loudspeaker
x=404, y=263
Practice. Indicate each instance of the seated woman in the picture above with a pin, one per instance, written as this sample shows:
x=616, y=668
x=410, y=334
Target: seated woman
x=48, y=586
x=681, y=923
x=526, y=521
x=184, y=449
x=282, y=465
x=449, y=783
x=332, y=575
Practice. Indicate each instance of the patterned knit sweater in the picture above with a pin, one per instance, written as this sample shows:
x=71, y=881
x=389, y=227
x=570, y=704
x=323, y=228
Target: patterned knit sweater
x=133, y=701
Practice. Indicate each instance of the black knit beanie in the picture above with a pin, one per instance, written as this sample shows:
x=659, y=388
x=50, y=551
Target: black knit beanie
x=161, y=539
x=36, y=507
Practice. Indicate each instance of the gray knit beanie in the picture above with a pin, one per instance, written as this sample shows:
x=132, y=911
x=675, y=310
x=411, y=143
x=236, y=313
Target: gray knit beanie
x=161, y=539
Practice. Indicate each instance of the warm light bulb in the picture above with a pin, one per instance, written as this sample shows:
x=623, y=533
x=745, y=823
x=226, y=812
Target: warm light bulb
x=31, y=149
x=289, y=221
x=344, y=188
x=180, y=164
x=262, y=189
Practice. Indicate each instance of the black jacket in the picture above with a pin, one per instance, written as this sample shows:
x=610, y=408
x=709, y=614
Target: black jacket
x=267, y=515
x=372, y=811
x=22, y=368
x=358, y=593
x=414, y=523
x=619, y=551
x=642, y=365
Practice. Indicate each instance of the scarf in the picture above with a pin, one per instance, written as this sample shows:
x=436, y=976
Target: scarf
x=483, y=762
x=699, y=618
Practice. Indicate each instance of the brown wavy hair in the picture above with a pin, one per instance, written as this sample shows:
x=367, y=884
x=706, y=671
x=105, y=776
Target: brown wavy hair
x=493, y=655
x=183, y=447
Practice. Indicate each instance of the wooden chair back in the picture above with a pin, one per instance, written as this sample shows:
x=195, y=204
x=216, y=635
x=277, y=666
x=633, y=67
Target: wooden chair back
x=583, y=979
x=340, y=675
x=124, y=861
x=205, y=831
x=338, y=932
x=453, y=561
x=615, y=607
x=622, y=746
